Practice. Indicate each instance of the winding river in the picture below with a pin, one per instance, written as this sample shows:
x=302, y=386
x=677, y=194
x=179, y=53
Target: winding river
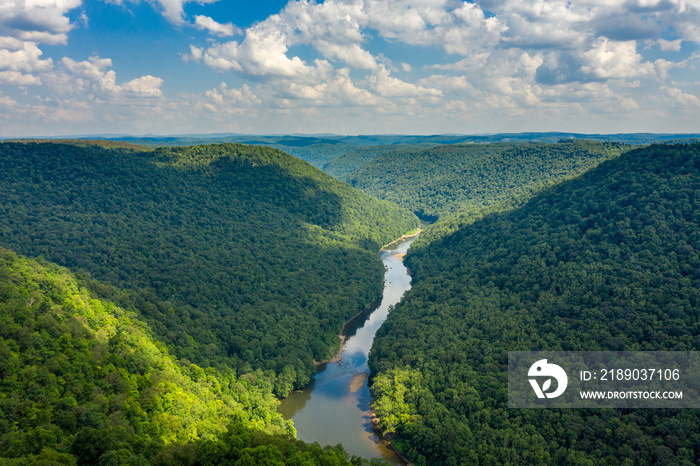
x=335, y=407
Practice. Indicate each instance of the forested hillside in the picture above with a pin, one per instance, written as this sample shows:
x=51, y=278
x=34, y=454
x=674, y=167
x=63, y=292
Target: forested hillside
x=343, y=166
x=82, y=381
x=607, y=261
x=470, y=179
x=340, y=156
x=236, y=256
x=318, y=152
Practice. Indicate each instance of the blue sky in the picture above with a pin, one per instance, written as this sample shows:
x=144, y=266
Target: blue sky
x=348, y=66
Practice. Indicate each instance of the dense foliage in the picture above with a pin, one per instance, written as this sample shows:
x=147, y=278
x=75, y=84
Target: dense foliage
x=241, y=446
x=237, y=256
x=343, y=166
x=607, y=261
x=83, y=382
x=472, y=178
x=80, y=376
x=318, y=152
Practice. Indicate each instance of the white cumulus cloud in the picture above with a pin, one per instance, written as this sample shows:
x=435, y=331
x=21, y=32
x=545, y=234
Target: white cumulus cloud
x=23, y=56
x=223, y=30
x=670, y=45
x=611, y=59
x=15, y=78
x=263, y=52
x=388, y=86
x=37, y=20
x=497, y=61
x=679, y=97
x=94, y=76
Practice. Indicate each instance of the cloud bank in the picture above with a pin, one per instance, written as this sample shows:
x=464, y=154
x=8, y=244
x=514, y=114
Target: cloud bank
x=352, y=66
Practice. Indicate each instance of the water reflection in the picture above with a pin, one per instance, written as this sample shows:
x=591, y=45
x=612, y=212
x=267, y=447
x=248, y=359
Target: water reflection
x=332, y=409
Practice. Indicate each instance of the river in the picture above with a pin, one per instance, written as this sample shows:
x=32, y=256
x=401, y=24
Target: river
x=335, y=407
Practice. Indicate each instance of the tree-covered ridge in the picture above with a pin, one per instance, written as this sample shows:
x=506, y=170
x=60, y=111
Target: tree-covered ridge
x=318, y=153
x=80, y=377
x=237, y=256
x=343, y=166
x=607, y=261
x=104, y=143
x=447, y=180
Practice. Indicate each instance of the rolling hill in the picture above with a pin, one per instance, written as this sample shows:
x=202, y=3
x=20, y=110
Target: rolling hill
x=607, y=261
x=472, y=178
x=331, y=152
x=237, y=256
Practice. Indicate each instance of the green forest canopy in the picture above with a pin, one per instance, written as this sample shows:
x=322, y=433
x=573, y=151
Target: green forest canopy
x=471, y=178
x=233, y=259
x=82, y=381
x=607, y=261
x=343, y=166
x=236, y=256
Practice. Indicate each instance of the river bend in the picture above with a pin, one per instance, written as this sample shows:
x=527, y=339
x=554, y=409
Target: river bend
x=335, y=407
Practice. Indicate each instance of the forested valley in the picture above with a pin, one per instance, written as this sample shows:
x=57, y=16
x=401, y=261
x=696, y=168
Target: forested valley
x=203, y=282
x=177, y=291
x=461, y=182
x=606, y=261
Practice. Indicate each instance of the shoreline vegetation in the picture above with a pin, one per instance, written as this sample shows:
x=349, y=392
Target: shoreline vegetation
x=386, y=438
x=360, y=379
x=408, y=235
x=320, y=365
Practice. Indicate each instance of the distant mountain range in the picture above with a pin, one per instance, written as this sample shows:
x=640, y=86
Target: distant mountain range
x=382, y=139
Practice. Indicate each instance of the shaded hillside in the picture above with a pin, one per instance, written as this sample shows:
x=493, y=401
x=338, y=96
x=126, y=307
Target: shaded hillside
x=318, y=152
x=607, y=261
x=473, y=178
x=343, y=166
x=237, y=256
x=84, y=376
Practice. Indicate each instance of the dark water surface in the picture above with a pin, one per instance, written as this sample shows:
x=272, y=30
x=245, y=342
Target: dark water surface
x=329, y=411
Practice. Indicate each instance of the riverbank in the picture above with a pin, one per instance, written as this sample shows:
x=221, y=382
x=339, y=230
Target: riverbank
x=361, y=316
x=411, y=234
x=319, y=365
x=348, y=329
x=386, y=441
x=335, y=407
